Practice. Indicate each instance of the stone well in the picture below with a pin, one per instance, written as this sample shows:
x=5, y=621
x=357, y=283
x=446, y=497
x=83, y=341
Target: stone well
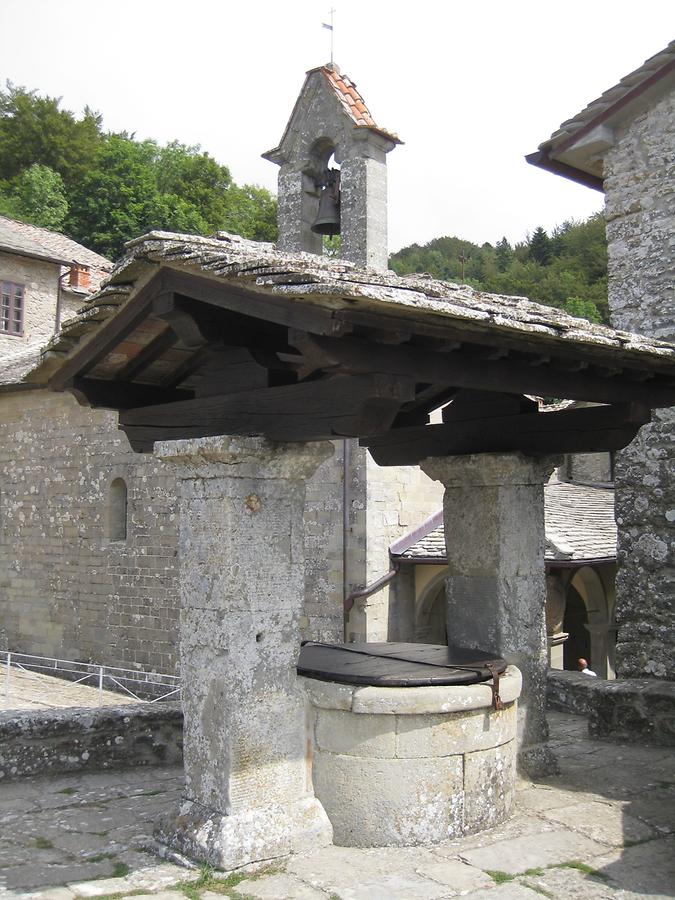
x=412, y=765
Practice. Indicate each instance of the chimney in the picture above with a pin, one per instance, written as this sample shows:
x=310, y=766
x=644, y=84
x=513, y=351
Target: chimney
x=79, y=277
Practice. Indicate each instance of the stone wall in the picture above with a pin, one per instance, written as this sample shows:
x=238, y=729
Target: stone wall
x=51, y=742
x=640, y=213
x=68, y=590
x=65, y=589
x=40, y=282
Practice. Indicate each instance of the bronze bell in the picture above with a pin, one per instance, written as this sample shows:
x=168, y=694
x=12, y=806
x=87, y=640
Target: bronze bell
x=328, y=217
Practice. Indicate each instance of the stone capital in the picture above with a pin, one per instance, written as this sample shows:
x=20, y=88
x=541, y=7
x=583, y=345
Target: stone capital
x=243, y=457
x=489, y=469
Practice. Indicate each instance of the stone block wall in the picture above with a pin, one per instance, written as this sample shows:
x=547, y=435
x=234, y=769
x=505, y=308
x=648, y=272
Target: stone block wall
x=398, y=499
x=55, y=741
x=640, y=213
x=66, y=589
x=40, y=282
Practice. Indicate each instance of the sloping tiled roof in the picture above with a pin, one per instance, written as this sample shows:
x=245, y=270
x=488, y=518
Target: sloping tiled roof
x=41, y=243
x=337, y=284
x=580, y=523
x=577, y=148
x=14, y=240
x=580, y=527
x=656, y=66
x=352, y=101
x=14, y=368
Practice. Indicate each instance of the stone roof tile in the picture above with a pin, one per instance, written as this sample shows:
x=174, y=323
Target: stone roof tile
x=580, y=526
x=42, y=243
x=661, y=62
x=319, y=281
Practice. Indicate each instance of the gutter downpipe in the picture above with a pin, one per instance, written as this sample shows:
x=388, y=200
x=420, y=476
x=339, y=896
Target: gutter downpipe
x=346, y=460
x=59, y=301
x=371, y=589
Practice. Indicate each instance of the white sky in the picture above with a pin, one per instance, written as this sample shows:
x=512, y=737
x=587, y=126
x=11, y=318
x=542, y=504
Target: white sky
x=471, y=87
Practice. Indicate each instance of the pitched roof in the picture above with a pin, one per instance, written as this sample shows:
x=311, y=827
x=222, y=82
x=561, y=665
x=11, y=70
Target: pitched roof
x=338, y=285
x=614, y=105
x=42, y=243
x=580, y=527
x=352, y=101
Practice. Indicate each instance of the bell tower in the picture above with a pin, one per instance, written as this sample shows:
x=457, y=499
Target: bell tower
x=333, y=171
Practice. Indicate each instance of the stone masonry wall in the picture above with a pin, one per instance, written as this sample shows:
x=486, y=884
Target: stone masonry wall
x=640, y=213
x=53, y=741
x=40, y=281
x=68, y=591
x=398, y=499
x=65, y=589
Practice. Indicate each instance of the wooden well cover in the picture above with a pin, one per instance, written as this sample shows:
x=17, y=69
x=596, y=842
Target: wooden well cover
x=396, y=664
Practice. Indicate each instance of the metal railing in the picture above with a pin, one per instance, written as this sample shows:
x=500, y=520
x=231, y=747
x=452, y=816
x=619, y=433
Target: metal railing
x=153, y=685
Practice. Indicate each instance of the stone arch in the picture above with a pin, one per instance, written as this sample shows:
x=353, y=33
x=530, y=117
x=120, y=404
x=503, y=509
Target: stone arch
x=430, y=612
x=590, y=588
x=117, y=511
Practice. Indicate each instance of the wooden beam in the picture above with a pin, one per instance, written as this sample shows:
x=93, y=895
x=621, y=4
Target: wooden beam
x=147, y=356
x=108, y=336
x=179, y=317
x=461, y=370
x=588, y=430
x=278, y=309
x=119, y=395
x=316, y=410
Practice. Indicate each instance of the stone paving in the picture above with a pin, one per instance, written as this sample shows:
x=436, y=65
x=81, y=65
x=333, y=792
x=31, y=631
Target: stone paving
x=604, y=828
x=36, y=690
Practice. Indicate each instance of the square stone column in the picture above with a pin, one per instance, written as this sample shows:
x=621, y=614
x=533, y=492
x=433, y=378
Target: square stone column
x=496, y=585
x=248, y=793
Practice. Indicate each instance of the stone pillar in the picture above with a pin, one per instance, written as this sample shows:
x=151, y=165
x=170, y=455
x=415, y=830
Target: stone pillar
x=363, y=202
x=248, y=793
x=496, y=586
x=297, y=209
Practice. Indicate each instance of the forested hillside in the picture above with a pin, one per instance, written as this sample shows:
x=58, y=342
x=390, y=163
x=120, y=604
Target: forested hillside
x=100, y=188
x=567, y=269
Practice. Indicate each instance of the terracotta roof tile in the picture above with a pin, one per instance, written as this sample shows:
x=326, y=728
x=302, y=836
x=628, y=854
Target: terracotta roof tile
x=353, y=102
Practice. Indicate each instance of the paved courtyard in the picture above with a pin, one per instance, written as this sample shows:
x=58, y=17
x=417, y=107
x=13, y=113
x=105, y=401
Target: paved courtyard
x=24, y=689
x=604, y=828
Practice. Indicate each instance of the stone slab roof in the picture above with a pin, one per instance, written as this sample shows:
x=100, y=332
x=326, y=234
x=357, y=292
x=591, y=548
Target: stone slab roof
x=577, y=148
x=41, y=243
x=580, y=527
x=261, y=270
x=14, y=369
x=659, y=65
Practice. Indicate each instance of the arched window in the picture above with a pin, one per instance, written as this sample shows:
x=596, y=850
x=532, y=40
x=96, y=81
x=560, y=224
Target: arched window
x=117, y=511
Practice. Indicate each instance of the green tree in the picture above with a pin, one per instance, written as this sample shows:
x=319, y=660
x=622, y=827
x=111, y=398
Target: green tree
x=540, y=247
x=34, y=129
x=41, y=197
x=583, y=309
x=504, y=254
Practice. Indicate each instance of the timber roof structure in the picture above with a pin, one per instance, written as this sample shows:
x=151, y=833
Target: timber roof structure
x=579, y=520
x=195, y=336
x=575, y=150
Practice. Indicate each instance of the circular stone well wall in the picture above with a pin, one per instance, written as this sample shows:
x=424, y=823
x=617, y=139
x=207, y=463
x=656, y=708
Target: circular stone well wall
x=412, y=765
